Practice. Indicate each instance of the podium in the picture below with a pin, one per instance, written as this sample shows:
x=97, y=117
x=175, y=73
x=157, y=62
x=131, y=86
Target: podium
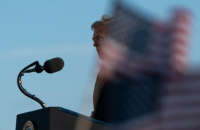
x=56, y=118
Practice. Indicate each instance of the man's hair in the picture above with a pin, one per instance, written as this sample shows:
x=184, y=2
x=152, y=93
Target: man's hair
x=105, y=20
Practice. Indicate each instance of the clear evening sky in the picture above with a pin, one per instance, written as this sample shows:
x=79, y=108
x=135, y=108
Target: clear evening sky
x=41, y=29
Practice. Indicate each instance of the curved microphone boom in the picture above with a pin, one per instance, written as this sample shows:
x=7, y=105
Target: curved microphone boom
x=50, y=66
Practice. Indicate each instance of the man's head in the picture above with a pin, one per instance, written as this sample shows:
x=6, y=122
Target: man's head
x=100, y=33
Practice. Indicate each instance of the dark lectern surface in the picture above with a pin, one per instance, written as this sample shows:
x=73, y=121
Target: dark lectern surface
x=56, y=118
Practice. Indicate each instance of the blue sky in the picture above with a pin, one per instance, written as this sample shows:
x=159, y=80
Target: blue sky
x=39, y=30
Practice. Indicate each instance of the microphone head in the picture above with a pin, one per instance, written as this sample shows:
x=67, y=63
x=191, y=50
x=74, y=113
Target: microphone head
x=53, y=65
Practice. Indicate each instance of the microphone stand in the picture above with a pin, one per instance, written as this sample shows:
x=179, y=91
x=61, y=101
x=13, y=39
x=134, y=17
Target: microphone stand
x=19, y=83
x=51, y=118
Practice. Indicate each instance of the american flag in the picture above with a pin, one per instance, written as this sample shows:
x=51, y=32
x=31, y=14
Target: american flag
x=142, y=58
x=178, y=106
x=138, y=44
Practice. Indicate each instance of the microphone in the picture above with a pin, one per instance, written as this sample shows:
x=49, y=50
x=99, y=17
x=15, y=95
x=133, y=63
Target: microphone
x=50, y=66
x=53, y=65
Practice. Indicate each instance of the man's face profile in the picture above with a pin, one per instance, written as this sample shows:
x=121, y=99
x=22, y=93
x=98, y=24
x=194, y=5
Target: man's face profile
x=99, y=38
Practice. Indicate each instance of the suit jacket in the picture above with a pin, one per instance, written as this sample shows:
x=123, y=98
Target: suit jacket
x=120, y=99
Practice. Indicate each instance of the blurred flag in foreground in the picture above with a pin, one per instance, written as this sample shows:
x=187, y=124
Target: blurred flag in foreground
x=178, y=106
x=140, y=58
x=139, y=44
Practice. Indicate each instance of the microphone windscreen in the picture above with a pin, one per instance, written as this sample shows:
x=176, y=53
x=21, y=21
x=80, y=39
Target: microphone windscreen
x=53, y=65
